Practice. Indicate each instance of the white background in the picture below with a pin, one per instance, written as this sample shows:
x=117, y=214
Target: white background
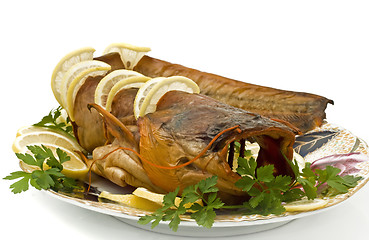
x=313, y=46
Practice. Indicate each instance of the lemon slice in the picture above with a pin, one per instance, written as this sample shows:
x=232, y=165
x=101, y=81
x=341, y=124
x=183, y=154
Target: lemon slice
x=32, y=135
x=151, y=92
x=76, y=77
x=38, y=136
x=154, y=197
x=64, y=64
x=106, y=84
x=131, y=201
x=158, y=198
x=74, y=168
x=131, y=82
x=129, y=54
x=74, y=72
x=305, y=205
x=31, y=129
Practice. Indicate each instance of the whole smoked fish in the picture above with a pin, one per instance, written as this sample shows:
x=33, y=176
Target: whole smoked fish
x=305, y=111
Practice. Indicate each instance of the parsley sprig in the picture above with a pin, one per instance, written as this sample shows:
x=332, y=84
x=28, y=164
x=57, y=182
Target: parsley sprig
x=325, y=182
x=42, y=178
x=267, y=193
x=205, y=190
x=52, y=121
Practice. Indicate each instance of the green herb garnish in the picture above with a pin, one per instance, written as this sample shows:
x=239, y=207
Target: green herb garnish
x=51, y=178
x=204, y=215
x=267, y=193
x=52, y=121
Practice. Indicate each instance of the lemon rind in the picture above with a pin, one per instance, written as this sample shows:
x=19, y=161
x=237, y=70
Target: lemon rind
x=117, y=74
x=60, y=64
x=146, y=101
x=78, y=82
x=131, y=82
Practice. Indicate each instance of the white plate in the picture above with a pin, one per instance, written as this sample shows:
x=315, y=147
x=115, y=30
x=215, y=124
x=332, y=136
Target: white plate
x=324, y=141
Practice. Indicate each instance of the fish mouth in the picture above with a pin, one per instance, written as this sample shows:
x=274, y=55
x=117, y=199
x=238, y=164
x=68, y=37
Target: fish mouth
x=266, y=147
x=242, y=148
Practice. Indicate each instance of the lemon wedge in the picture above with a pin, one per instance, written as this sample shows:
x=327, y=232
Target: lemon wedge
x=158, y=198
x=305, y=205
x=142, y=199
x=63, y=66
x=74, y=168
x=131, y=82
x=151, y=92
x=129, y=54
x=131, y=201
x=76, y=77
x=106, y=84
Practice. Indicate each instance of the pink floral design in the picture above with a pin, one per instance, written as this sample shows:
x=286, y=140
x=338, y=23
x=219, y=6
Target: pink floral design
x=346, y=162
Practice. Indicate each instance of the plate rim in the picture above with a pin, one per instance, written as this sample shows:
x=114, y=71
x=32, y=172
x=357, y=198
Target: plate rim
x=240, y=222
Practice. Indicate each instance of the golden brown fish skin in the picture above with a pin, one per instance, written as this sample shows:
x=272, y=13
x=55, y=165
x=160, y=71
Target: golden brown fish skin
x=303, y=110
x=184, y=124
x=88, y=125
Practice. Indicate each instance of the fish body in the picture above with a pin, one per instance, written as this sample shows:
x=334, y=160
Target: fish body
x=177, y=133
x=188, y=137
x=303, y=110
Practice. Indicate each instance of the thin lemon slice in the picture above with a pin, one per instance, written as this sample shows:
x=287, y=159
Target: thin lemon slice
x=37, y=136
x=131, y=82
x=158, y=198
x=151, y=92
x=31, y=129
x=305, y=205
x=74, y=72
x=106, y=84
x=63, y=66
x=131, y=201
x=143, y=92
x=74, y=168
x=73, y=82
x=129, y=54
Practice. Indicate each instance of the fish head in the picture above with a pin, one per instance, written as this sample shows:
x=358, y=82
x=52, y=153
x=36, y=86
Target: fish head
x=174, y=138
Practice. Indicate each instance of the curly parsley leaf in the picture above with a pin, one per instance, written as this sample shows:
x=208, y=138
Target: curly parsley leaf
x=205, y=190
x=21, y=185
x=266, y=190
x=267, y=193
x=52, y=121
x=312, y=180
x=51, y=178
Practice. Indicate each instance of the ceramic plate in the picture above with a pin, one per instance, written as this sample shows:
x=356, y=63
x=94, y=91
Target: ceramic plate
x=321, y=142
